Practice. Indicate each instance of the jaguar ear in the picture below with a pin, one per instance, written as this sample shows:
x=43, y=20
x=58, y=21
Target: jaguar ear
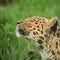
x=53, y=24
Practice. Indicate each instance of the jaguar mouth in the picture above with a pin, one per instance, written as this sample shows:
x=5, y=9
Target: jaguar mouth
x=21, y=32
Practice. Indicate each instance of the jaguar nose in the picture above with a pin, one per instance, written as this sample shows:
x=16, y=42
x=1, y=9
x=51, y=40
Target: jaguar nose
x=18, y=22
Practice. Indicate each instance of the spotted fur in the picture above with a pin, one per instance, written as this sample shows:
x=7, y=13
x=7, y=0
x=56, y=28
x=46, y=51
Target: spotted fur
x=45, y=33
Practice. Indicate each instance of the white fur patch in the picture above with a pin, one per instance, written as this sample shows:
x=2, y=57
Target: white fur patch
x=17, y=32
x=43, y=54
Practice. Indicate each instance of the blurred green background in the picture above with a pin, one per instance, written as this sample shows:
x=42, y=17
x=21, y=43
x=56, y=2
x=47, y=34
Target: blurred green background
x=11, y=47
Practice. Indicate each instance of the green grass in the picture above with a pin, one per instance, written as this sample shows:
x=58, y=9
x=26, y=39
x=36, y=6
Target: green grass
x=11, y=47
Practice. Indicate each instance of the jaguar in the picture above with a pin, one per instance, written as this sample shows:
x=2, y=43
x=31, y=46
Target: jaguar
x=44, y=33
